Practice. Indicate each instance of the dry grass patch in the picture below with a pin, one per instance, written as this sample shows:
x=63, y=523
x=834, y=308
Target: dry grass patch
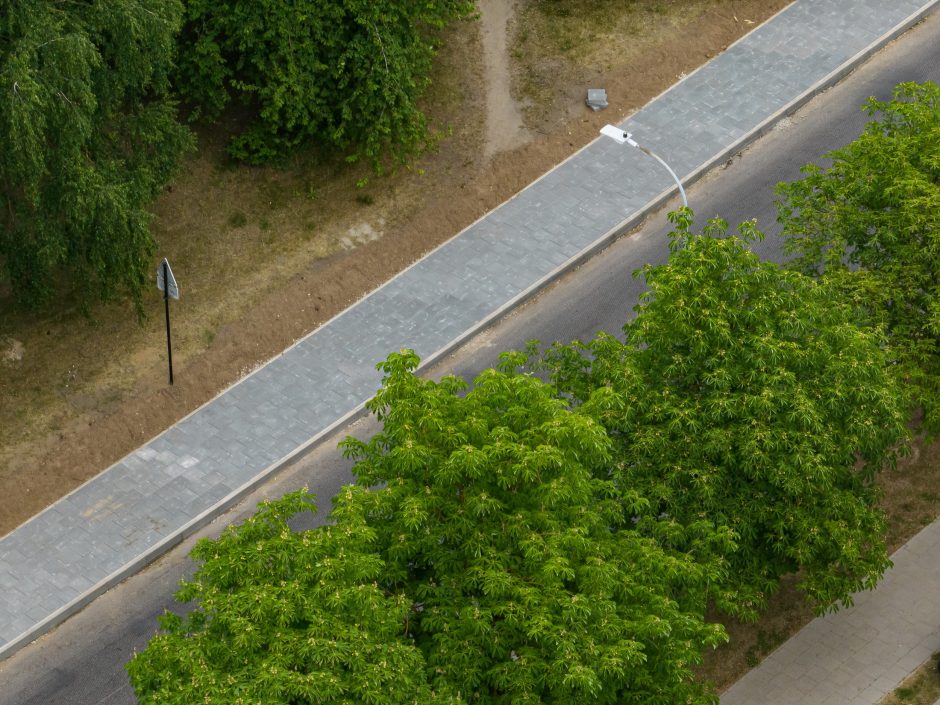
x=912, y=492
x=922, y=687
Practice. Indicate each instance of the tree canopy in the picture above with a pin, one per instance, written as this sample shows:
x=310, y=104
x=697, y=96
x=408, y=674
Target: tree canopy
x=744, y=395
x=871, y=223
x=88, y=137
x=533, y=585
x=520, y=541
x=490, y=565
x=347, y=73
x=285, y=616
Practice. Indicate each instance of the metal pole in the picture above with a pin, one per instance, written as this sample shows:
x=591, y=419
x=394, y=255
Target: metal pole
x=685, y=201
x=166, y=303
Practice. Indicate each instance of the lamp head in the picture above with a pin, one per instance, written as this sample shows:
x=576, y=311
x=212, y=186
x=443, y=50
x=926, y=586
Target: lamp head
x=618, y=135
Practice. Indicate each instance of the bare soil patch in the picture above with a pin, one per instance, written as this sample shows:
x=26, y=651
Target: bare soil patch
x=505, y=124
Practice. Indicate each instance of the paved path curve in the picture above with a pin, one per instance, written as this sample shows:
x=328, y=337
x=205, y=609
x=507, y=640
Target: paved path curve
x=57, y=562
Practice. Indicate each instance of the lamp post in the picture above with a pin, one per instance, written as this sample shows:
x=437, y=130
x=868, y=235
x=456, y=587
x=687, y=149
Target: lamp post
x=621, y=137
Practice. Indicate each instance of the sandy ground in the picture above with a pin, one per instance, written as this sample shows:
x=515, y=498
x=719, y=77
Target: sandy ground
x=505, y=125
x=486, y=164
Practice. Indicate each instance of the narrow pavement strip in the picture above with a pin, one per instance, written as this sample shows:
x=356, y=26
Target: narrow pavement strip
x=858, y=655
x=54, y=564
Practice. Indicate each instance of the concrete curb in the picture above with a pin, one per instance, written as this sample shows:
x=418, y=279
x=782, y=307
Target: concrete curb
x=628, y=224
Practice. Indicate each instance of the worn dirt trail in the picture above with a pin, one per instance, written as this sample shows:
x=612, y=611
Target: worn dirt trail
x=505, y=129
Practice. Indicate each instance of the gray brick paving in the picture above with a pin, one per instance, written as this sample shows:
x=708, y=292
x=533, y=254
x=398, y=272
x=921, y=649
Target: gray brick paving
x=89, y=537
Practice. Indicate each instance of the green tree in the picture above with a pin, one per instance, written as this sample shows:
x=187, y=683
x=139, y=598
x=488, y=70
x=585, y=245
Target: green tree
x=871, y=223
x=286, y=617
x=492, y=566
x=531, y=585
x=88, y=137
x=347, y=73
x=746, y=396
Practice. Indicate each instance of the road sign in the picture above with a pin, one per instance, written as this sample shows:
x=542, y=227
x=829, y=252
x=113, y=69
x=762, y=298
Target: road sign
x=164, y=270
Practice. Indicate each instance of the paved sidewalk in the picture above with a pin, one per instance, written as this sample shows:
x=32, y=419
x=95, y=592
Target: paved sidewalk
x=111, y=526
x=858, y=655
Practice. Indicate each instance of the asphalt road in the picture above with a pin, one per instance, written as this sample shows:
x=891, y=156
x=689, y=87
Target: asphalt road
x=81, y=662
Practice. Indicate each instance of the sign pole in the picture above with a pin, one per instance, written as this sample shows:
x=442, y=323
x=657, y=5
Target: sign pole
x=166, y=283
x=166, y=303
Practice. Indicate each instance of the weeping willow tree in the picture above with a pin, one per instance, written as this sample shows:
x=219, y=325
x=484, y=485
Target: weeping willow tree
x=88, y=137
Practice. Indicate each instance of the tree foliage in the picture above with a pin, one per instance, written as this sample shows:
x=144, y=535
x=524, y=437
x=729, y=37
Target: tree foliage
x=88, y=137
x=285, y=617
x=525, y=542
x=745, y=396
x=533, y=586
x=871, y=222
x=491, y=566
x=347, y=73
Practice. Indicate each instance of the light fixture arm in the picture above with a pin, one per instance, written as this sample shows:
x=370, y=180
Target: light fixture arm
x=621, y=137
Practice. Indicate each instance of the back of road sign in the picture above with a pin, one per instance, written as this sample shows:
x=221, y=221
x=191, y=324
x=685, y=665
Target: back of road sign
x=173, y=291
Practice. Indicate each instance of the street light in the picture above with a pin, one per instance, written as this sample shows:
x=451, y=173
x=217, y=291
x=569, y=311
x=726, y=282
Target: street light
x=621, y=137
